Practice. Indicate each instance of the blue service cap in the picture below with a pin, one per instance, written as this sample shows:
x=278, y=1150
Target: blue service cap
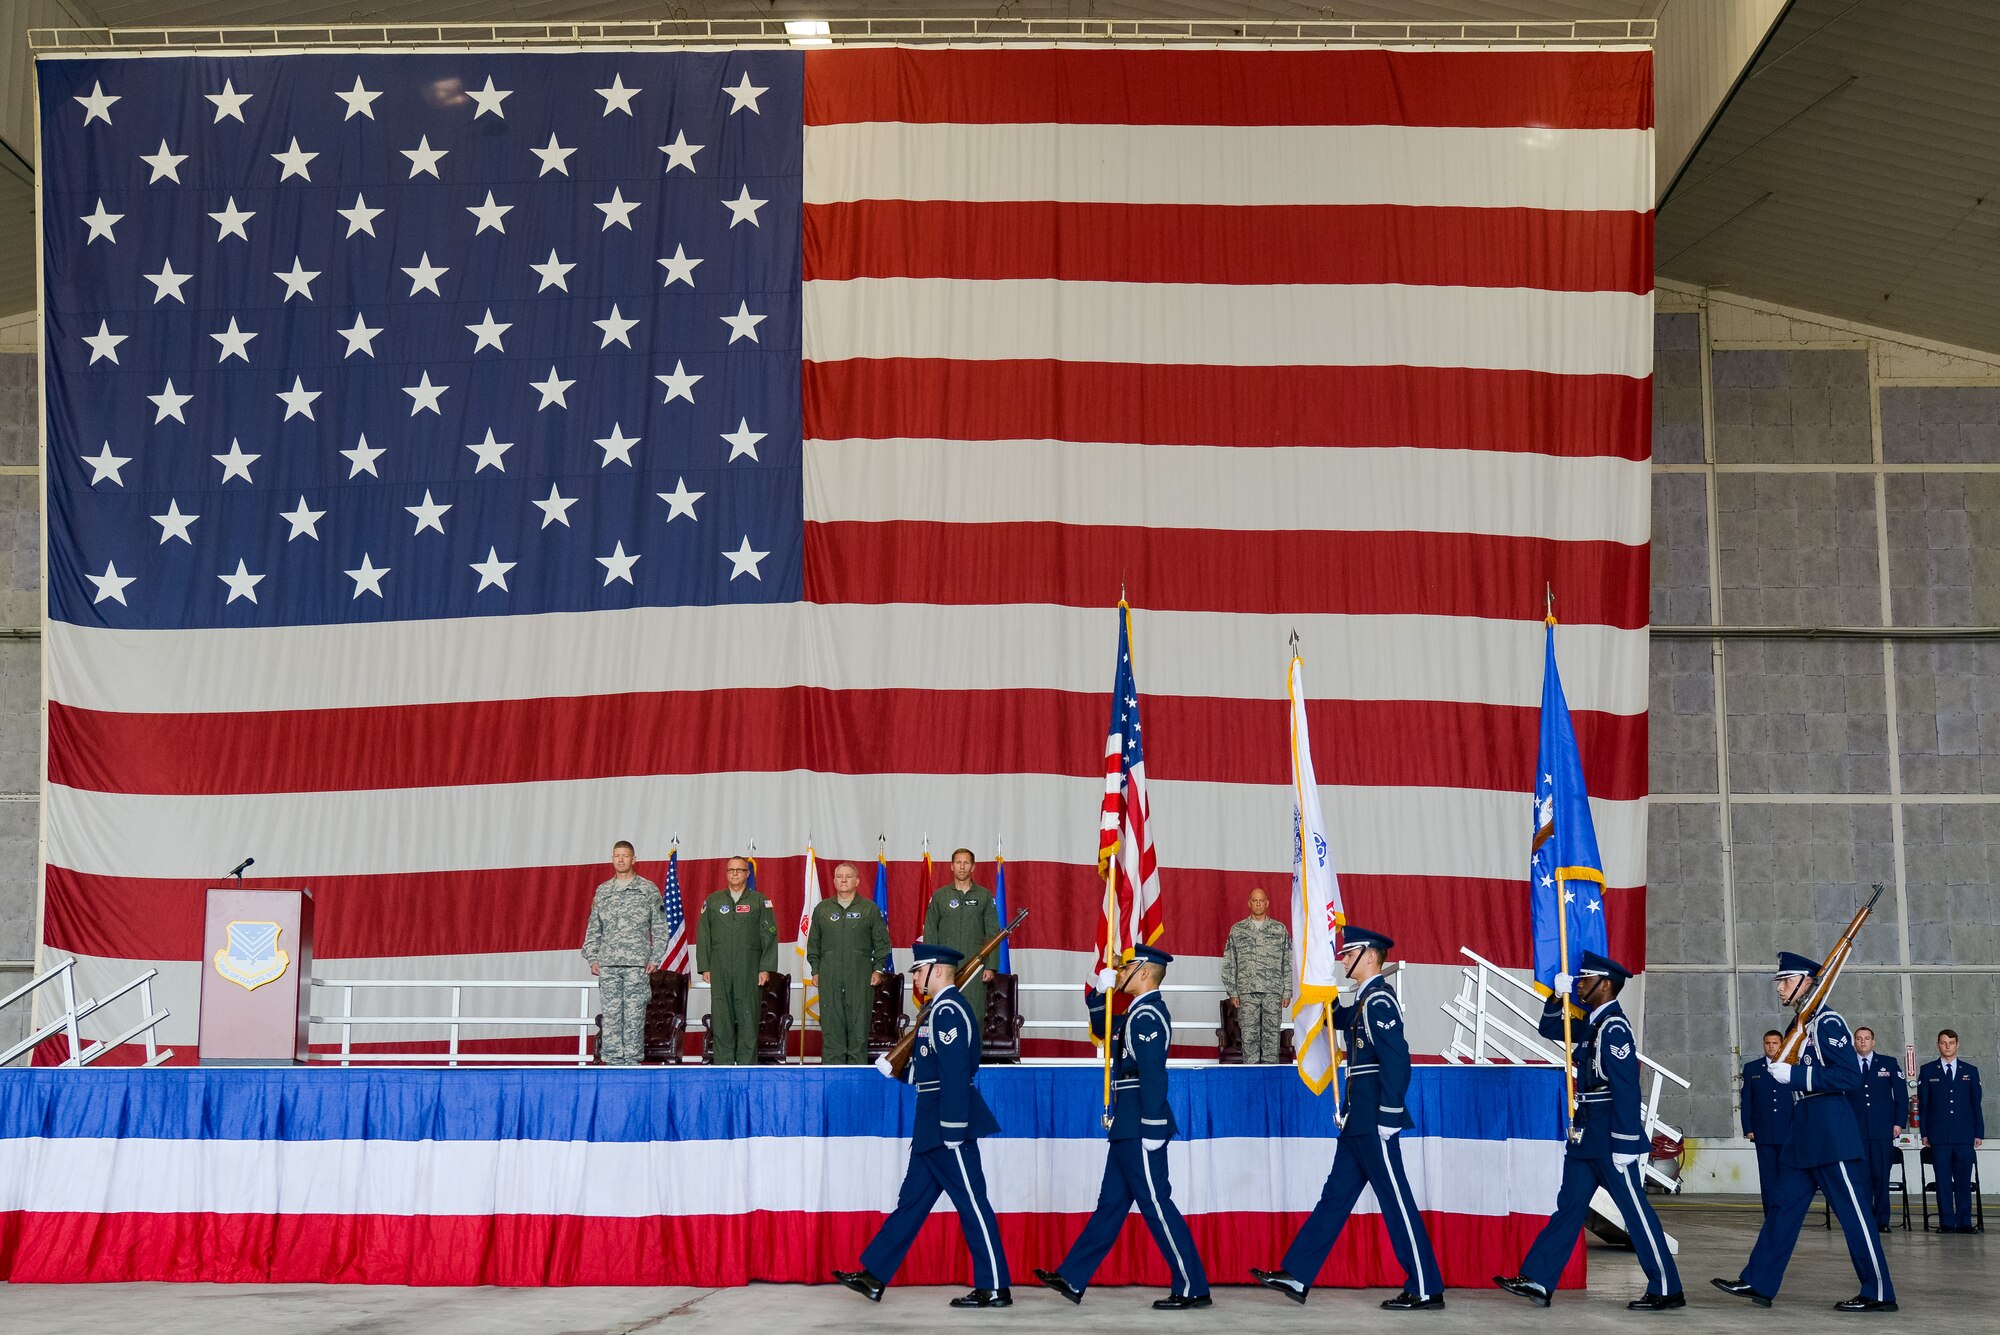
x=1594, y=965
x=1151, y=955
x=1791, y=965
x=1360, y=938
x=930, y=952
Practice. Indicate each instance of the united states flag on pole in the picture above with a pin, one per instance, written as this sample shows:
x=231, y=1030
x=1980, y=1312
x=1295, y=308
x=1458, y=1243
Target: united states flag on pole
x=1126, y=857
x=679, y=956
x=460, y=459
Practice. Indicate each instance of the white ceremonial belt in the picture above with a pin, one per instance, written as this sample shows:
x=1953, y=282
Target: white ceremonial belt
x=927, y=1086
x=1363, y=1070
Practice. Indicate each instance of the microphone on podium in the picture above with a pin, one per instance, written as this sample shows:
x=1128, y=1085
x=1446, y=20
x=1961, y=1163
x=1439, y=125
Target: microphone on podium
x=237, y=871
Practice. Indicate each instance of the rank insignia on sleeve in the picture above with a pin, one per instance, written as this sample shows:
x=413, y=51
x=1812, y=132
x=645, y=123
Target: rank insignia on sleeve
x=1621, y=1050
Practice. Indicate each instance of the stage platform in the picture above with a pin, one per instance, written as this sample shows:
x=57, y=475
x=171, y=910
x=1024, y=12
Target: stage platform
x=697, y=1176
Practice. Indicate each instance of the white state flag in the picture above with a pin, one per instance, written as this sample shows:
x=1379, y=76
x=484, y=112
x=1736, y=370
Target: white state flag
x=1316, y=911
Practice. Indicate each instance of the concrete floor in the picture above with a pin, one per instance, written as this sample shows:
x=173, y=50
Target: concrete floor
x=1944, y=1283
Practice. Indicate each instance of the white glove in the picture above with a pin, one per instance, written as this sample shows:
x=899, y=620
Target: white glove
x=1624, y=1161
x=1388, y=1133
x=1564, y=982
x=1781, y=1072
x=1152, y=1145
x=1106, y=980
x=882, y=1065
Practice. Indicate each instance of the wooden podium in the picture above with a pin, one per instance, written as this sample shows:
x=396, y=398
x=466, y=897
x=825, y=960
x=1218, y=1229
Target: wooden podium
x=256, y=972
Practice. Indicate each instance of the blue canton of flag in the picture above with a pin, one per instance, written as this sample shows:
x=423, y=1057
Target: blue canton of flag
x=354, y=337
x=1565, y=872
x=677, y=957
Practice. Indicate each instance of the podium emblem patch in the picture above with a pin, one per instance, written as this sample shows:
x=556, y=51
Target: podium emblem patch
x=252, y=958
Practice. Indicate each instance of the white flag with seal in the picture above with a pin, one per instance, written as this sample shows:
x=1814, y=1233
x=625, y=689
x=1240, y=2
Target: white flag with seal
x=1317, y=915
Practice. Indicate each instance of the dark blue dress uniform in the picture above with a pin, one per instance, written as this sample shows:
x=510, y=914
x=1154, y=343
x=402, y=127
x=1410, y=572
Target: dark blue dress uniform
x=1949, y=1111
x=1880, y=1106
x=1135, y=1172
x=1767, y=1120
x=1825, y=1153
x=944, y=1147
x=1609, y=1122
x=1378, y=1082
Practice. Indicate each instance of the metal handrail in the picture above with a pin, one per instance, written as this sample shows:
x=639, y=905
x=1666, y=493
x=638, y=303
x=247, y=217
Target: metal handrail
x=776, y=32
x=1472, y=1012
x=74, y=1013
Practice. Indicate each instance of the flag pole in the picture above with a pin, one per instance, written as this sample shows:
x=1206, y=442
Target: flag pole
x=1110, y=870
x=1562, y=936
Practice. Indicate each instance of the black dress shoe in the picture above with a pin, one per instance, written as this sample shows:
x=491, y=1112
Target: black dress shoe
x=1738, y=1288
x=1858, y=1303
x=985, y=1298
x=862, y=1283
x=1410, y=1302
x=1523, y=1287
x=1054, y=1280
x=1658, y=1302
x=1281, y=1281
x=1182, y=1302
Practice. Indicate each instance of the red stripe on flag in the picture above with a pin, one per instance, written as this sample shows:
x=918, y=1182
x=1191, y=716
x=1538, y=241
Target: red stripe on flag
x=1146, y=243
x=1402, y=743
x=1608, y=90
x=1517, y=412
x=370, y=917
x=1201, y=570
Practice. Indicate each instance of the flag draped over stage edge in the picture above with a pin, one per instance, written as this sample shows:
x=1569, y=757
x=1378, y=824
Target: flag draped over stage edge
x=1565, y=872
x=439, y=487
x=1317, y=915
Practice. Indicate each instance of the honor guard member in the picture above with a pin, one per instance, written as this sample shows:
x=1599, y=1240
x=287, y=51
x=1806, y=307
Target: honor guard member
x=845, y=947
x=1378, y=1081
x=1767, y=1114
x=736, y=949
x=1954, y=1122
x=1824, y=1153
x=944, y=1143
x=1256, y=975
x=1607, y=1138
x=622, y=943
x=1142, y=1123
x=962, y=915
x=1881, y=1106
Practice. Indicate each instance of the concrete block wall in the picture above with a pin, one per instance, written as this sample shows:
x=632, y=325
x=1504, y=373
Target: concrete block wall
x=20, y=675
x=1814, y=474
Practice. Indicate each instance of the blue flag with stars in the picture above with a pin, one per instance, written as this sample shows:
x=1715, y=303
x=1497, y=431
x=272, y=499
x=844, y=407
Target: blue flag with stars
x=382, y=337
x=1566, y=875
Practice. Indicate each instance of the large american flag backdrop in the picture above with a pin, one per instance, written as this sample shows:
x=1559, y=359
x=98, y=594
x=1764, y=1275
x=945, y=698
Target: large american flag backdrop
x=460, y=460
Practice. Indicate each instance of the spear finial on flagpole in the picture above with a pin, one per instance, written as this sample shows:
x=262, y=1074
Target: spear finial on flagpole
x=1549, y=605
x=1295, y=641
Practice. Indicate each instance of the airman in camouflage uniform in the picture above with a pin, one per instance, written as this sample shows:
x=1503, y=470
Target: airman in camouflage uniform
x=845, y=947
x=962, y=915
x=624, y=941
x=1257, y=975
x=736, y=949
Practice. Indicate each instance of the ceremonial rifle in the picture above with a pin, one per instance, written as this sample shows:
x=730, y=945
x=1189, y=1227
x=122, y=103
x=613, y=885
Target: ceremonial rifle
x=898, y=1056
x=1829, y=974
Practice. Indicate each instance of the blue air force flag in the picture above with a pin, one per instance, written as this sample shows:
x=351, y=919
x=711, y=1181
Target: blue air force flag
x=1566, y=876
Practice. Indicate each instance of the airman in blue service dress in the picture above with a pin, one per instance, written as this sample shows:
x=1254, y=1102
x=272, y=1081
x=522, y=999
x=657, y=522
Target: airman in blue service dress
x=1767, y=1116
x=1824, y=1153
x=1949, y=1111
x=1135, y=1171
x=1606, y=1143
x=944, y=1144
x=1378, y=1081
x=1882, y=1107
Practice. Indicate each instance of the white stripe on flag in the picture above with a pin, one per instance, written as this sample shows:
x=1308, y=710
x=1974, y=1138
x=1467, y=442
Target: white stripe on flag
x=1180, y=324
x=1487, y=168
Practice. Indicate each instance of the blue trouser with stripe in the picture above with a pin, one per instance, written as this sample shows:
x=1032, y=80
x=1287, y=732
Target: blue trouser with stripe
x=1791, y=1195
x=933, y=1173
x=1581, y=1179
x=1135, y=1175
x=1365, y=1159
x=1953, y=1166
